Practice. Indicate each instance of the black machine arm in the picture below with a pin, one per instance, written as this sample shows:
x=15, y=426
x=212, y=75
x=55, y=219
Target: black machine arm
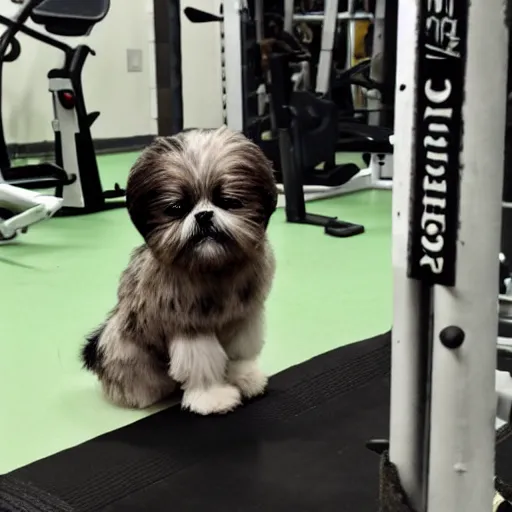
x=14, y=51
x=16, y=25
x=198, y=16
x=58, y=17
x=34, y=34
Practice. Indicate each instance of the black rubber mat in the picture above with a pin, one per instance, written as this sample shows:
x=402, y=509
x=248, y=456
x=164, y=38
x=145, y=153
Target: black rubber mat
x=300, y=448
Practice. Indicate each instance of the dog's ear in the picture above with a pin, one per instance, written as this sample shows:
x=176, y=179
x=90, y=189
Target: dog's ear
x=260, y=171
x=265, y=187
x=146, y=180
x=269, y=200
x=137, y=202
x=144, y=183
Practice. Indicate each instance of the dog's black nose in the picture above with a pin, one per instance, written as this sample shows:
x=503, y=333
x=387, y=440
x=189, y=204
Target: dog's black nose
x=204, y=218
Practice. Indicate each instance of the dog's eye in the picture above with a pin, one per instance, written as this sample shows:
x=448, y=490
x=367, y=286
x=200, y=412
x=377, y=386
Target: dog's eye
x=229, y=203
x=177, y=209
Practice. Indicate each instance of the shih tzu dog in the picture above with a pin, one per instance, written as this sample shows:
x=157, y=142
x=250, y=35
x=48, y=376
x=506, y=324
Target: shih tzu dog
x=190, y=303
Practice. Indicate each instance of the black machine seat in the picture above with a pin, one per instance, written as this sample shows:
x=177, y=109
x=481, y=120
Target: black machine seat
x=70, y=17
x=357, y=75
x=362, y=138
x=315, y=127
x=317, y=118
x=36, y=176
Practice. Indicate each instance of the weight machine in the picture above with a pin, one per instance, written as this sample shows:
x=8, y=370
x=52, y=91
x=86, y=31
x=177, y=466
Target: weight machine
x=309, y=129
x=74, y=176
x=448, y=176
x=361, y=138
x=244, y=98
x=234, y=66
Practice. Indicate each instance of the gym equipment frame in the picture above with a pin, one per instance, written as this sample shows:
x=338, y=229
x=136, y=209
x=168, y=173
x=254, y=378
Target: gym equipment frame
x=20, y=209
x=446, y=241
x=379, y=173
x=74, y=175
x=231, y=51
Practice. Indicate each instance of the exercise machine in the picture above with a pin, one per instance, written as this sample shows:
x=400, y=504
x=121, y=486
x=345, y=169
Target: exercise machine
x=245, y=86
x=74, y=175
x=20, y=209
x=307, y=134
x=235, y=89
x=448, y=174
x=309, y=130
x=375, y=76
x=336, y=26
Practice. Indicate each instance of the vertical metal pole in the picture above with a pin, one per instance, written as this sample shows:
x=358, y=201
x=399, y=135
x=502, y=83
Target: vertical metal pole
x=376, y=72
x=329, y=25
x=351, y=41
x=259, y=19
x=233, y=64
x=175, y=70
x=281, y=94
x=374, y=97
x=463, y=407
x=289, y=9
x=350, y=32
x=408, y=415
x=389, y=62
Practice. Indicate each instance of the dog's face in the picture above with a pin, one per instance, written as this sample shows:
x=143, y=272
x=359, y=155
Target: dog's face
x=202, y=198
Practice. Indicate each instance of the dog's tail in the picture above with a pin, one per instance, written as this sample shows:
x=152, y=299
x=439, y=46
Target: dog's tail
x=91, y=354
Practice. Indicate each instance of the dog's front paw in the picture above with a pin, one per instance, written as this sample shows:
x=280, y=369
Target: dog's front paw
x=218, y=399
x=247, y=377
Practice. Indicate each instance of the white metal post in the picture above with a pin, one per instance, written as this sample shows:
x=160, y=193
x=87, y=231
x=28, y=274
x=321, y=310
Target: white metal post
x=65, y=123
x=330, y=23
x=446, y=228
x=463, y=409
x=408, y=371
x=351, y=42
x=289, y=10
x=350, y=33
x=376, y=71
x=259, y=20
x=381, y=165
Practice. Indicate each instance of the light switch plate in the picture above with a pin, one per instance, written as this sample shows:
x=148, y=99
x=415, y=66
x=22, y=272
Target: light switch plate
x=134, y=60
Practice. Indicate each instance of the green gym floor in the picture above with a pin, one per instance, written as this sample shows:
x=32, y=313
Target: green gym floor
x=60, y=279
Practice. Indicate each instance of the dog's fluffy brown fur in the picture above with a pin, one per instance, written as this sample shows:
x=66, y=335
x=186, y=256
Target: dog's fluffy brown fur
x=191, y=301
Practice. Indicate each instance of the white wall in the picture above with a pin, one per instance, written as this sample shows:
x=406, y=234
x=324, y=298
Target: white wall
x=201, y=68
x=123, y=98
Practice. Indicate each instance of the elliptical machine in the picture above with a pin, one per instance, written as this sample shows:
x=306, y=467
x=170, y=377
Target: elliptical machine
x=74, y=175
